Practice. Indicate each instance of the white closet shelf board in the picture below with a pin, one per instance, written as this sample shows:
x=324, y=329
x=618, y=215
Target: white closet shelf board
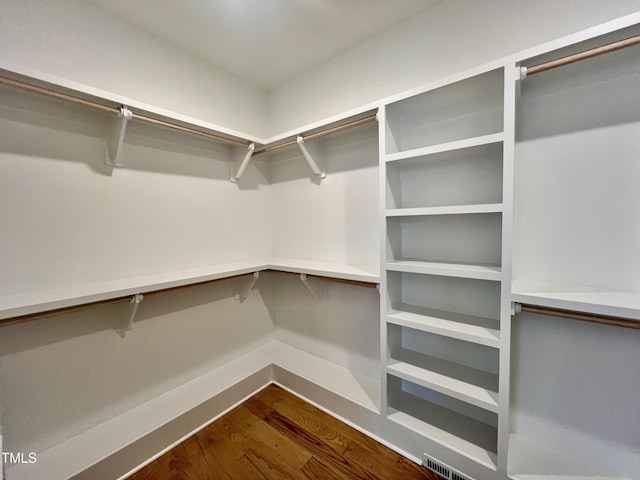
x=19, y=72
x=578, y=298
x=325, y=269
x=446, y=210
x=445, y=151
x=444, y=381
x=531, y=461
x=478, y=272
x=357, y=387
x=26, y=304
x=325, y=124
x=449, y=324
x=471, y=449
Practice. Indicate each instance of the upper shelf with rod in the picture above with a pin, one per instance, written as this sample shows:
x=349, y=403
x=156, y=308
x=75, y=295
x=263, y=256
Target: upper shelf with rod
x=311, y=153
x=114, y=141
x=126, y=110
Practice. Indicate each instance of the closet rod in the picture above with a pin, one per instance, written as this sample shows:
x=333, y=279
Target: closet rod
x=582, y=316
x=116, y=110
x=312, y=136
x=594, y=52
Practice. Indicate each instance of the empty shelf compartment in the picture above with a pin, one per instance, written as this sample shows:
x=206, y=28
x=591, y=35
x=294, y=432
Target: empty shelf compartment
x=462, y=370
x=474, y=239
x=469, y=108
x=466, y=176
x=460, y=426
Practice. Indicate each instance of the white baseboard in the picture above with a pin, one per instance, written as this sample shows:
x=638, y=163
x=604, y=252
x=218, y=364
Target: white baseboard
x=125, y=444
x=219, y=389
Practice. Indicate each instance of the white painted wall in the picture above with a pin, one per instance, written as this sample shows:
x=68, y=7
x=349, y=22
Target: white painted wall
x=453, y=36
x=81, y=42
x=335, y=220
x=67, y=222
x=575, y=390
x=343, y=329
x=64, y=375
x=577, y=143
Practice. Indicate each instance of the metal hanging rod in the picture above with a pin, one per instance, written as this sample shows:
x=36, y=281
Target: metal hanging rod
x=116, y=110
x=313, y=136
x=581, y=316
x=594, y=52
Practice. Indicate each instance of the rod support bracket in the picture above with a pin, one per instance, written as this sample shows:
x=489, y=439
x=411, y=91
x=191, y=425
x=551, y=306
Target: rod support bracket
x=319, y=290
x=135, y=303
x=522, y=73
x=113, y=144
x=236, y=174
x=243, y=294
x=314, y=163
x=515, y=308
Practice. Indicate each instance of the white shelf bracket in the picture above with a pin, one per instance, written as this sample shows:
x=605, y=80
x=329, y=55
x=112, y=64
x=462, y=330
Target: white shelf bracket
x=319, y=290
x=244, y=163
x=113, y=144
x=314, y=164
x=135, y=303
x=242, y=295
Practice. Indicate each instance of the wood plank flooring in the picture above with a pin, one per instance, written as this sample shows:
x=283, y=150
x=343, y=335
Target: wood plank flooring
x=275, y=435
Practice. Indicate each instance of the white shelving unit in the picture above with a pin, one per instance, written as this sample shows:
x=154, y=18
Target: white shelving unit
x=443, y=208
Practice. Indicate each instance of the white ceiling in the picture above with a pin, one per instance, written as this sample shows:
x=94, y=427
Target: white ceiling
x=265, y=42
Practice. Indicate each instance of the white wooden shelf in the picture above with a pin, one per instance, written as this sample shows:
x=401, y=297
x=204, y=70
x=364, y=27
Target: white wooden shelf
x=445, y=151
x=467, y=384
x=25, y=304
x=529, y=460
x=469, y=437
x=325, y=269
x=35, y=302
x=483, y=331
x=577, y=297
x=445, y=210
x=475, y=271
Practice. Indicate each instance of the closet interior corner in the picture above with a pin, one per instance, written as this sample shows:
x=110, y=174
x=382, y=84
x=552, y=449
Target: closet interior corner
x=446, y=269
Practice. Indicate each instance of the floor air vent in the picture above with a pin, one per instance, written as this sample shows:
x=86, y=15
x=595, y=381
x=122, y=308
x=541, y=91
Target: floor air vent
x=436, y=467
x=442, y=469
x=456, y=476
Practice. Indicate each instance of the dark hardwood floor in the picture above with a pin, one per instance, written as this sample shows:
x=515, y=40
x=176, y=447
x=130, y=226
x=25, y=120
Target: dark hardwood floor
x=275, y=435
